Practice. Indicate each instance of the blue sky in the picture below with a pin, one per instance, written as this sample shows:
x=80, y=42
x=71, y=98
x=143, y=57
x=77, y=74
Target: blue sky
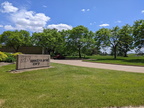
x=34, y=15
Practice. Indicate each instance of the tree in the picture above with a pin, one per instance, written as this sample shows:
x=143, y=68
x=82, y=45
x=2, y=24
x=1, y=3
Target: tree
x=102, y=38
x=114, y=40
x=49, y=39
x=16, y=39
x=90, y=44
x=62, y=49
x=126, y=39
x=138, y=33
x=79, y=39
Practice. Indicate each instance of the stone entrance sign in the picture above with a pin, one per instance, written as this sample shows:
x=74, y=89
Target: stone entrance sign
x=25, y=61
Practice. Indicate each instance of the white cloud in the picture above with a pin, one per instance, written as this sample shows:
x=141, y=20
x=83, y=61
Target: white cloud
x=104, y=25
x=1, y=25
x=26, y=20
x=8, y=27
x=30, y=20
x=8, y=7
x=23, y=19
x=142, y=11
x=92, y=23
x=88, y=10
x=85, y=10
x=60, y=27
x=118, y=21
x=44, y=6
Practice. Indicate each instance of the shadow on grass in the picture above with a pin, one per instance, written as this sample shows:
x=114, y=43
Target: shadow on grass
x=119, y=60
x=134, y=60
x=108, y=59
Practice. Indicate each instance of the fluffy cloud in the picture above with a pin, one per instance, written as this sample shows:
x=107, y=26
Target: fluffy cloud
x=30, y=20
x=142, y=11
x=85, y=10
x=8, y=7
x=9, y=27
x=88, y=10
x=44, y=6
x=92, y=23
x=118, y=21
x=60, y=27
x=1, y=25
x=23, y=19
x=104, y=25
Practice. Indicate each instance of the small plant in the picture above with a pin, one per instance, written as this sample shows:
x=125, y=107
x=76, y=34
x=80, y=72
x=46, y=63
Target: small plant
x=3, y=56
x=17, y=53
x=10, y=57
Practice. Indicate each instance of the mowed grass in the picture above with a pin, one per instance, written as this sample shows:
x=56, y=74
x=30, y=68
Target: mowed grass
x=64, y=86
x=131, y=60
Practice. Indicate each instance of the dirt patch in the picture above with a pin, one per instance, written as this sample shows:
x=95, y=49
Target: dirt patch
x=2, y=101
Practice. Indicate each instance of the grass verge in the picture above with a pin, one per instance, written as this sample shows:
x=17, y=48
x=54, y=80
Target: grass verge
x=70, y=87
x=131, y=60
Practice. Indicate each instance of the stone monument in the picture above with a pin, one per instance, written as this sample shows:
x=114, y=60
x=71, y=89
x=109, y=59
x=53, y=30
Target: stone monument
x=27, y=61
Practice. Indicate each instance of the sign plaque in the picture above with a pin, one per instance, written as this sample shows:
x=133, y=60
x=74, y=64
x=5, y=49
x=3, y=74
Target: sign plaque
x=27, y=61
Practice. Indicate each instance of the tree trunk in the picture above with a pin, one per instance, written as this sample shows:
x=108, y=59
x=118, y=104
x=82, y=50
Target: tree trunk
x=79, y=50
x=16, y=48
x=115, y=52
x=125, y=54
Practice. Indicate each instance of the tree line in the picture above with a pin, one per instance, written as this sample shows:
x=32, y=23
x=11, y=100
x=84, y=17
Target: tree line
x=80, y=40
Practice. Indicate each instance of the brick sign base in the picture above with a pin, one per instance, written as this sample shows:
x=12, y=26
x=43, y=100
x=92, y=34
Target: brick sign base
x=27, y=61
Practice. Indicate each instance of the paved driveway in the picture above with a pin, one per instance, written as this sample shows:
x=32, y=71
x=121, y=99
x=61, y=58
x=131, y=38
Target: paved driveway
x=100, y=65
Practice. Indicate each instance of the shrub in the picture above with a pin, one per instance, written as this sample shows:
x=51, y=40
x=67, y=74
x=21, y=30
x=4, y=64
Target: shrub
x=3, y=56
x=17, y=53
x=8, y=54
x=10, y=57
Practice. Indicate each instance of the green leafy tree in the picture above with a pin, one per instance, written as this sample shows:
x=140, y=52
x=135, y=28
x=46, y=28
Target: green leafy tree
x=63, y=47
x=49, y=39
x=114, y=40
x=79, y=39
x=108, y=38
x=102, y=38
x=126, y=40
x=90, y=46
x=16, y=39
x=138, y=33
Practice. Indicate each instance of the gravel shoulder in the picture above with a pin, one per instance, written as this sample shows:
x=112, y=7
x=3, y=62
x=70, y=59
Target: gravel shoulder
x=137, y=69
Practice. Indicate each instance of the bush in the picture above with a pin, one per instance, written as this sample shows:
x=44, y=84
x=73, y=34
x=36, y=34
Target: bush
x=17, y=53
x=3, y=56
x=10, y=57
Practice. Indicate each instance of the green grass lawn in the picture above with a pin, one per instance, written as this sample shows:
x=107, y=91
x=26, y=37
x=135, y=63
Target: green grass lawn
x=66, y=86
x=131, y=60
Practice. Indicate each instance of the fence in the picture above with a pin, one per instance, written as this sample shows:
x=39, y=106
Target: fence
x=24, y=50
